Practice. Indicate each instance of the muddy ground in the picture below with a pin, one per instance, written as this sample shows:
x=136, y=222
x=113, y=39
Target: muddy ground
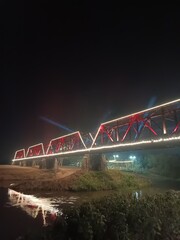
x=14, y=176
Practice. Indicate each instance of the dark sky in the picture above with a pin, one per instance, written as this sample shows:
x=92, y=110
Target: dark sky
x=80, y=64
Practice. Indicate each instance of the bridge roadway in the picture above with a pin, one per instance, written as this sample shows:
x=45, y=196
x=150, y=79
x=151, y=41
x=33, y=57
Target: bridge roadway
x=152, y=128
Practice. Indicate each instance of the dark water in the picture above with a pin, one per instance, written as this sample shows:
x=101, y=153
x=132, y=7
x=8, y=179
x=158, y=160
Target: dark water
x=21, y=213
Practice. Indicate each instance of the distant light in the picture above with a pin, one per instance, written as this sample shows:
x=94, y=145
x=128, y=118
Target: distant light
x=132, y=157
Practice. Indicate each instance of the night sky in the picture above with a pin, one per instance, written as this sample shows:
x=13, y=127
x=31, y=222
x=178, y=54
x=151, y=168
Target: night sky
x=80, y=64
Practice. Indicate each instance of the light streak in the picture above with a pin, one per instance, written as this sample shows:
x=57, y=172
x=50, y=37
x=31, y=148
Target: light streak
x=152, y=101
x=56, y=124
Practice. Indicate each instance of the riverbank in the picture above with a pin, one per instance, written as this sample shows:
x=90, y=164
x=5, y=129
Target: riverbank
x=28, y=179
x=17, y=175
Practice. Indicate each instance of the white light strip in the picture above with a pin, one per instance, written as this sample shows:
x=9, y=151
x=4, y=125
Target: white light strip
x=114, y=120
x=70, y=134
x=96, y=136
x=67, y=135
x=117, y=161
x=91, y=136
x=52, y=155
x=136, y=143
x=148, y=109
x=39, y=144
x=43, y=148
x=20, y=150
x=48, y=147
x=81, y=139
x=103, y=147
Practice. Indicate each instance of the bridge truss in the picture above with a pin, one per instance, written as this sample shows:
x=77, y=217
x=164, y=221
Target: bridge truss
x=157, y=124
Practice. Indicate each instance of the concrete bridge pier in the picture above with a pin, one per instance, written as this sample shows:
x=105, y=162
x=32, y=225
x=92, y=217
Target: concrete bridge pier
x=34, y=163
x=94, y=162
x=42, y=163
x=56, y=164
x=24, y=164
x=60, y=161
x=49, y=163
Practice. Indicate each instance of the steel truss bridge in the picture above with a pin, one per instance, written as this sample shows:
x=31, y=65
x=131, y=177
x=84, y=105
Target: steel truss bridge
x=154, y=127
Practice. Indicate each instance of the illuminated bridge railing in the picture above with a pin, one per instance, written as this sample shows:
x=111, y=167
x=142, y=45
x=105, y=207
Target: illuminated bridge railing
x=73, y=142
x=35, y=150
x=153, y=125
x=162, y=121
x=19, y=154
x=69, y=142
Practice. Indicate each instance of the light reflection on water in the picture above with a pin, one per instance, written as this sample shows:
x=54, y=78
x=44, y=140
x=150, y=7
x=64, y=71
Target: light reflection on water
x=49, y=206
x=34, y=206
x=43, y=208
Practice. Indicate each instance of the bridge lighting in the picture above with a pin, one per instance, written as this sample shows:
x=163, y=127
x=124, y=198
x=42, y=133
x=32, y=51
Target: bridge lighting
x=115, y=156
x=33, y=205
x=41, y=148
x=112, y=130
x=91, y=136
x=132, y=157
x=143, y=111
x=88, y=150
x=20, y=153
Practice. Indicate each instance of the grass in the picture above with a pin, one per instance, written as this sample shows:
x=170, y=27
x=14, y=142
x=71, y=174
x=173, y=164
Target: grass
x=108, y=180
x=30, y=179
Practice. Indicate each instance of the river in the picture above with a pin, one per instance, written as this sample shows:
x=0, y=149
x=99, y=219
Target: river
x=22, y=213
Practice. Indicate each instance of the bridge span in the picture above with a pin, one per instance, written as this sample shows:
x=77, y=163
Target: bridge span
x=156, y=127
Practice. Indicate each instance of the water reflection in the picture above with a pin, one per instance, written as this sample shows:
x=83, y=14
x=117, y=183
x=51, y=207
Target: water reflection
x=137, y=194
x=47, y=206
x=34, y=206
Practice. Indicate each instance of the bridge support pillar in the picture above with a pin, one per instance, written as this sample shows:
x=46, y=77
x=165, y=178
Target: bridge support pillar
x=61, y=161
x=56, y=166
x=24, y=163
x=94, y=162
x=34, y=163
x=42, y=163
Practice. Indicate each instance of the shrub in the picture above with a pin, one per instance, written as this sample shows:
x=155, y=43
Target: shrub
x=122, y=217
